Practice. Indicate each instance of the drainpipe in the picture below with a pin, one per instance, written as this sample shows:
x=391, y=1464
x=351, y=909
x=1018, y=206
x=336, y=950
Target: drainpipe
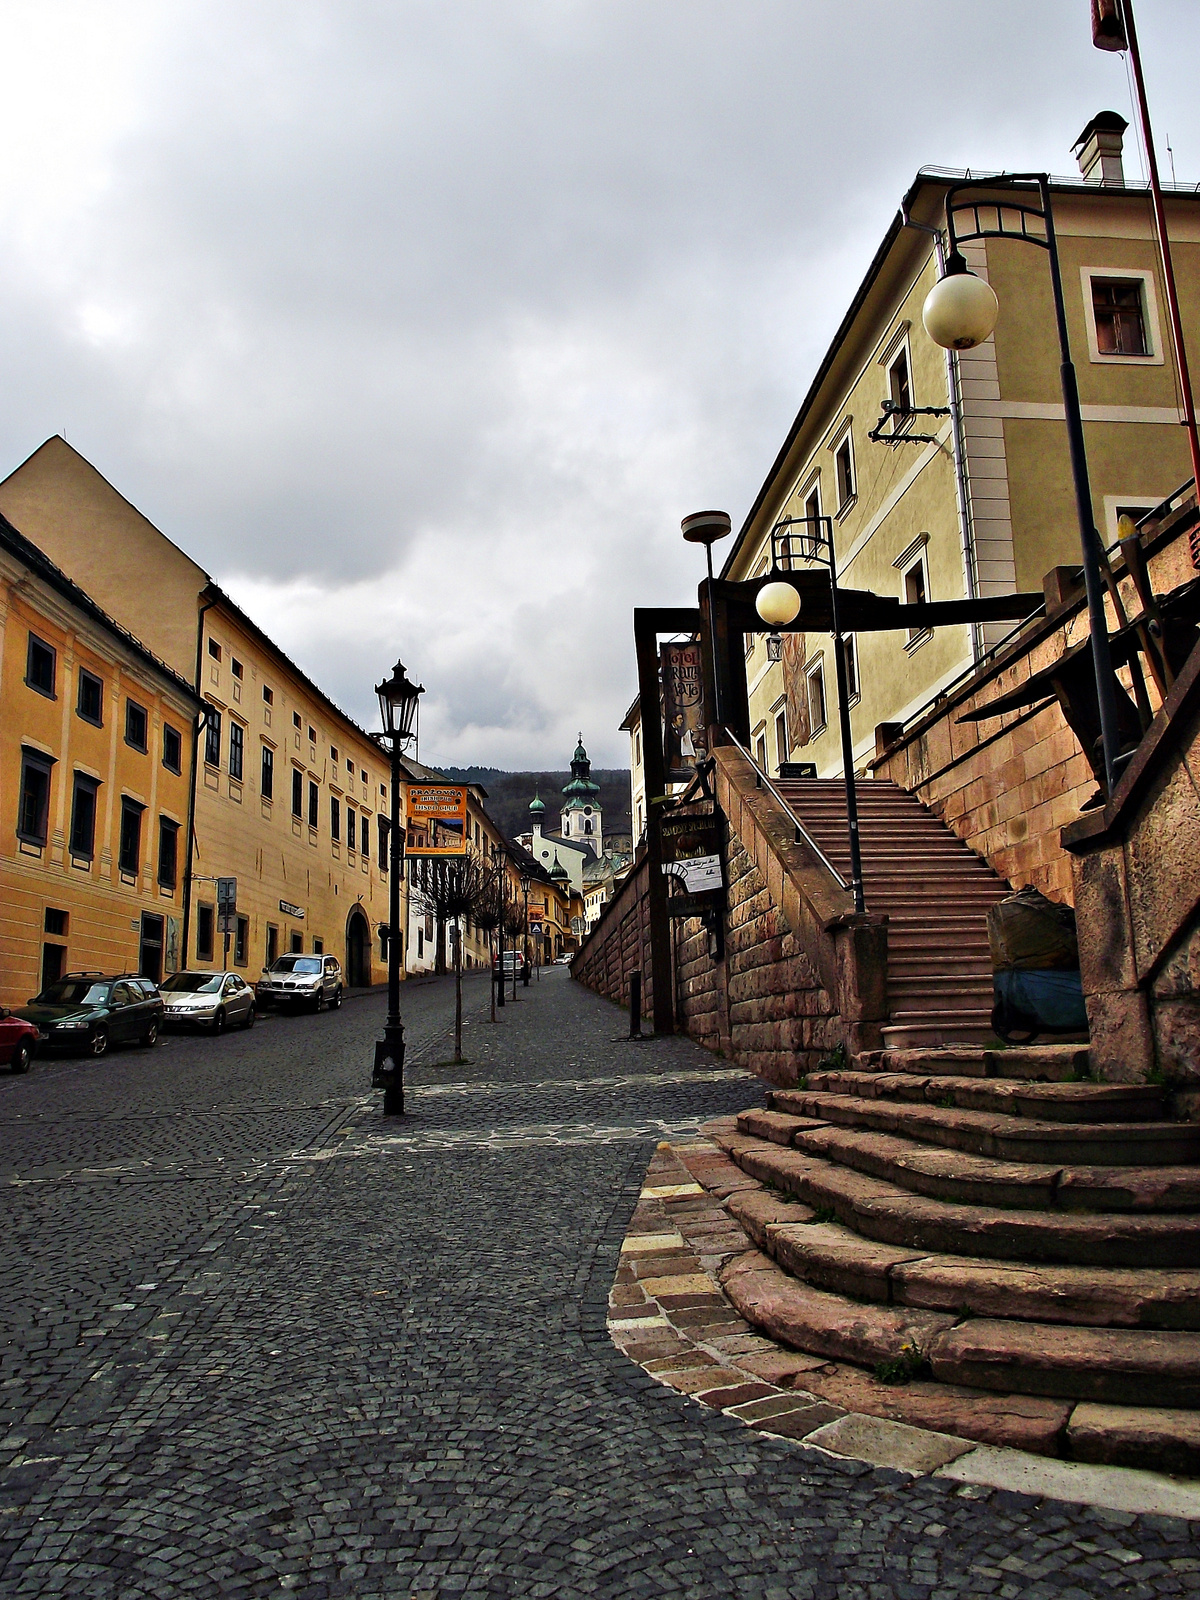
x=961, y=486
x=197, y=724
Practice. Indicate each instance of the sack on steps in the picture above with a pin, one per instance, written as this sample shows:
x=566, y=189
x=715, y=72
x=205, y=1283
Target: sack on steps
x=1033, y=1002
x=1028, y=932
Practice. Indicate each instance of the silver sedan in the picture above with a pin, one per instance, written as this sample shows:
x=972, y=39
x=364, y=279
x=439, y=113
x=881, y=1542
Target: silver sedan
x=214, y=1000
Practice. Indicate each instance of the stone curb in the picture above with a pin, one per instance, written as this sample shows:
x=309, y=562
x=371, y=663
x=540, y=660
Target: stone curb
x=668, y=1313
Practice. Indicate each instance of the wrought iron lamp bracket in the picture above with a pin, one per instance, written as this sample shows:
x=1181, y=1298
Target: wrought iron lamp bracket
x=897, y=416
x=815, y=544
x=1021, y=212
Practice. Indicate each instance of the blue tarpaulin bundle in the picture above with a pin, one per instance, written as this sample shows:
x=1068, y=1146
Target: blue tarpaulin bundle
x=1047, y=1000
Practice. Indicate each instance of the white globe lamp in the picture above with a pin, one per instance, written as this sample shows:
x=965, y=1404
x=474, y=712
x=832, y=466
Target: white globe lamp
x=777, y=603
x=961, y=310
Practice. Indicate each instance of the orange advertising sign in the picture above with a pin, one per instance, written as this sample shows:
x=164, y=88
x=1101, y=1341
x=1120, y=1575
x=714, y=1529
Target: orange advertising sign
x=437, y=819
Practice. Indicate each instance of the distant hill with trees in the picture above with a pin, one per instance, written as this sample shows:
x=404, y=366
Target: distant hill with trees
x=509, y=794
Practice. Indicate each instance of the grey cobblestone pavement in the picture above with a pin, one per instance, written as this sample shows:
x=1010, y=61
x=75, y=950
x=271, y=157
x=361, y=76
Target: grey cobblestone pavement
x=258, y=1341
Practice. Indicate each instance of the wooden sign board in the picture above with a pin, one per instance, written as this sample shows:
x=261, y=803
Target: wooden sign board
x=436, y=819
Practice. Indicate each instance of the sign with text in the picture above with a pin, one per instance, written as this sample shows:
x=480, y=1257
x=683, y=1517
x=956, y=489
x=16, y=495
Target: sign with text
x=692, y=843
x=289, y=910
x=437, y=819
x=685, y=737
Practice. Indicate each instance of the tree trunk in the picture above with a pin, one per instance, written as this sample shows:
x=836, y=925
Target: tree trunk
x=492, y=973
x=458, y=1055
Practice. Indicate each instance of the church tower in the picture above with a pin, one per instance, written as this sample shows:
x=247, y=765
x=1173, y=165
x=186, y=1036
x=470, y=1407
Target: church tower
x=581, y=816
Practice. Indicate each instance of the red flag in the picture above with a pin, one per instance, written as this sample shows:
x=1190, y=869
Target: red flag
x=1108, y=27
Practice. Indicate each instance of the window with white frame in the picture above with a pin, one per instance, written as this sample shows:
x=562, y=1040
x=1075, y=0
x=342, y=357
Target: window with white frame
x=916, y=591
x=1121, y=309
x=812, y=509
x=781, y=737
x=843, y=462
x=760, y=750
x=850, y=657
x=817, y=714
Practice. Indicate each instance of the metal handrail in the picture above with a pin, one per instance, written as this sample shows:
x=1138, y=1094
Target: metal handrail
x=801, y=830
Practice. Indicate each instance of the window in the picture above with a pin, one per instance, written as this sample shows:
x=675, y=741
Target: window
x=383, y=845
x=168, y=852
x=241, y=942
x=351, y=829
x=56, y=922
x=899, y=382
x=137, y=723
x=297, y=943
x=335, y=818
x=237, y=749
x=318, y=947
x=204, y=933
x=760, y=752
x=297, y=792
x=268, y=696
x=212, y=738
x=1120, y=323
x=333, y=755
x=916, y=592
x=267, y=782
x=312, y=736
x=781, y=737
x=850, y=657
x=235, y=666
x=172, y=748
x=90, y=705
x=349, y=767
x=129, y=855
x=83, y=817
x=214, y=649
x=843, y=461
x=313, y=805
x=296, y=722
x=39, y=666
x=272, y=943
x=816, y=697
x=34, y=808
x=812, y=510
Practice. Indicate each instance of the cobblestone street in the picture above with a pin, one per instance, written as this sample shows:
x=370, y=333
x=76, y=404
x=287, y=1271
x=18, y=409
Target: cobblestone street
x=259, y=1341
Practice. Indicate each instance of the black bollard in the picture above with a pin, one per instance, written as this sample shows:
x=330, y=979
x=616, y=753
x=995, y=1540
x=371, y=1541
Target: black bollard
x=635, y=1005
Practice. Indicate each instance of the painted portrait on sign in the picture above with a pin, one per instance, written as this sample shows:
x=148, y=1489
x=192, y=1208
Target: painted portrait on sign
x=684, y=734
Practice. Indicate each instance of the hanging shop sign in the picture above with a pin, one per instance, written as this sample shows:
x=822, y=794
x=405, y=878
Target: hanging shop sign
x=684, y=734
x=692, y=845
x=437, y=819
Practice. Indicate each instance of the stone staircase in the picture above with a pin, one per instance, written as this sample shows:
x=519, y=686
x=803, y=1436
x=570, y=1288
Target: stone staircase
x=935, y=892
x=1012, y=1248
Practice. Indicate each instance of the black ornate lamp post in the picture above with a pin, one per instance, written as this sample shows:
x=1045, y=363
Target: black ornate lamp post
x=960, y=312
x=778, y=604
x=525, y=892
x=398, y=708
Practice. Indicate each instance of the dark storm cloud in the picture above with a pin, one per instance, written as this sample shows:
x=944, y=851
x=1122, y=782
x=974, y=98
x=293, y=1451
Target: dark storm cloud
x=421, y=325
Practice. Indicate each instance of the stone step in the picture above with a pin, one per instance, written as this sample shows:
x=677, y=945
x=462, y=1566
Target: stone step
x=1012, y=1097
x=1118, y=1366
x=1154, y=1438
x=926, y=963
x=974, y=1028
x=829, y=1256
x=1004, y=1138
x=823, y=1323
x=979, y=1180
x=940, y=990
x=1055, y=1063
x=883, y=1211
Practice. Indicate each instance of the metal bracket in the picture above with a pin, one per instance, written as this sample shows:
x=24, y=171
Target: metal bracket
x=897, y=416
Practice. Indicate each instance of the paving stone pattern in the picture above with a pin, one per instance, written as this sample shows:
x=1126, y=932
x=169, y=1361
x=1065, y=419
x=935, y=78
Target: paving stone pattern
x=258, y=1341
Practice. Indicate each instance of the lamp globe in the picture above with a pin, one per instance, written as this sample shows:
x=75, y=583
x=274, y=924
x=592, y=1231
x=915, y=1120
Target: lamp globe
x=777, y=603
x=960, y=311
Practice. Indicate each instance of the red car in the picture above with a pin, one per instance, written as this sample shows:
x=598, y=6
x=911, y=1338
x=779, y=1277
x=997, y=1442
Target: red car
x=18, y=1041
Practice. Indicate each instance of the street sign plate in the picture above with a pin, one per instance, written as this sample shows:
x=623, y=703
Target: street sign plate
x=226, y=893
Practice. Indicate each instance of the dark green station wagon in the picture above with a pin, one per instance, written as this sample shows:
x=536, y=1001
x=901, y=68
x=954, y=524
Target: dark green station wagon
x=86, y=1012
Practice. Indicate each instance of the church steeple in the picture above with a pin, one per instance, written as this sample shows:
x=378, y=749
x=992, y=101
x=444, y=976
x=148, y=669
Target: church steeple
x=581, y=803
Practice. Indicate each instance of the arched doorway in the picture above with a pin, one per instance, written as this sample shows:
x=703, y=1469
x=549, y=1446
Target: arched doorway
x=358, y=950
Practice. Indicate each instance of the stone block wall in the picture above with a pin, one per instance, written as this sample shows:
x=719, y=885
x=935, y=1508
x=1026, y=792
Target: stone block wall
x=619, y=945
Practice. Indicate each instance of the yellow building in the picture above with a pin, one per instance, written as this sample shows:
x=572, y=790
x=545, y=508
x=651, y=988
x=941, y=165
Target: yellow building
x=291, y=795
x=936, y=506
x=96, y=757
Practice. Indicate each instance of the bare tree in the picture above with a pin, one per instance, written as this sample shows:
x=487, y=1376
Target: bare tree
x=456, y=890
x=487, y=916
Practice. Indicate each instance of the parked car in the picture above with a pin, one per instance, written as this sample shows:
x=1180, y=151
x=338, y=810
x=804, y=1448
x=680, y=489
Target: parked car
x=564, y=960
x=514, y=963
x=295, y=980
x=213, y=1000
x=18, y=1041
x=88, y=1011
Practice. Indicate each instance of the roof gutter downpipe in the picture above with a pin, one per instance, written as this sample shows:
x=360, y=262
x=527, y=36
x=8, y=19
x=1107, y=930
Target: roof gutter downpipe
x=961, y=484
x=198, y=722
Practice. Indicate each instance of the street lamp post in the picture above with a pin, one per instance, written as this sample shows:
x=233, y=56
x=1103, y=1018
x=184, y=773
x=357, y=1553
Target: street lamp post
x=525, y=892
x=398, y=708
x=778, y=604
x=960, y=312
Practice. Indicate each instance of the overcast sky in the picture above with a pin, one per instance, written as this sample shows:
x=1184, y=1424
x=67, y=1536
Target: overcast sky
x=421, y=323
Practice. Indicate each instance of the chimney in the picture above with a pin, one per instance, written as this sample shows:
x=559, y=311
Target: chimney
x=1098, y=150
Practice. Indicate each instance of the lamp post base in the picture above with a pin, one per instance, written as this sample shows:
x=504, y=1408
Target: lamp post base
x=388, y=1074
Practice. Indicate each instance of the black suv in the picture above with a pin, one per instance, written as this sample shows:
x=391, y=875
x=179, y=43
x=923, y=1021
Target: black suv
x=87, y=1011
